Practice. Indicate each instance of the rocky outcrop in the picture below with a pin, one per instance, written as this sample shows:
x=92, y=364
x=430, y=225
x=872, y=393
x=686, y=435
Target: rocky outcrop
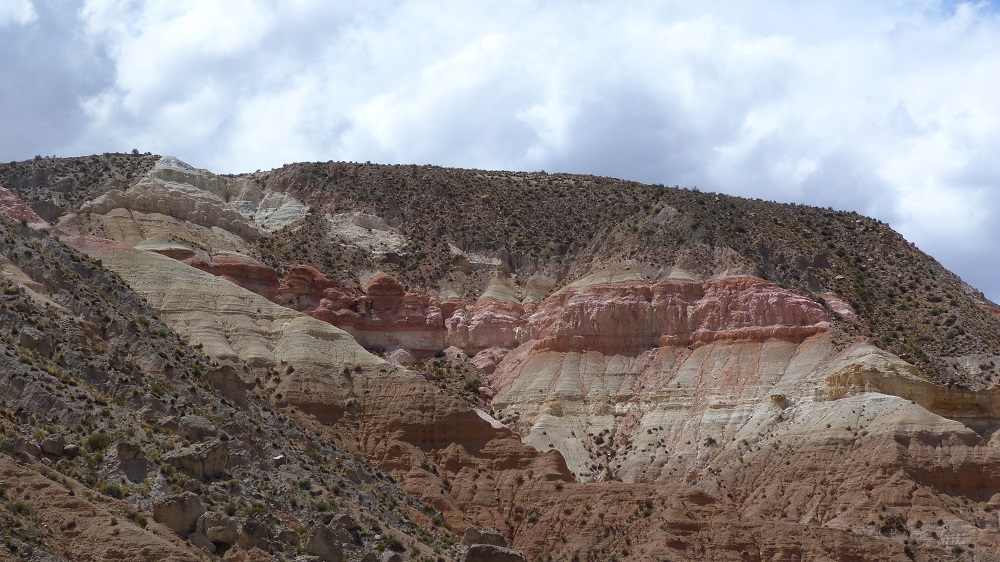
x=325, y=542
x=217, y=528
x=196, y=428
x=202, y=461
x=610, y=316
x=175, y=189
x=128, y=451
x=258, y=531
x=234, y=326
x=388, y=317
x=179, y=211
x=489, y=322
x=12, y=206
x=54, y=445
x=631, y=316
x=179, y=513
x=239, y=269
x=366, y=231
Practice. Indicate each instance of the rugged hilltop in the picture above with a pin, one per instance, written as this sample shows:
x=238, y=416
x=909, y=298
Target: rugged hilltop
x=596, y=368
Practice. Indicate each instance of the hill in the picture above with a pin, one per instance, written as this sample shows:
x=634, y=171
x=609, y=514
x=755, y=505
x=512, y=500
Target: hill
x=597, y=368
x=562, y=226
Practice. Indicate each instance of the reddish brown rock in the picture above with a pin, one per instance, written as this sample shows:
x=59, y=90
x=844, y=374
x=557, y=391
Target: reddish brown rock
x=384, y=285
x=17, y=210
x=241, y=270
x=628, y=316
x=490, y=322
x=611, y=316
x=76, y=528
x=304, y=280
x=420, y=435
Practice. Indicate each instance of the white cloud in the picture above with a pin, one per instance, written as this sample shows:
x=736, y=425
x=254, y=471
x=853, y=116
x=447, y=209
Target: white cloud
x=19, y=12
x=883, y=107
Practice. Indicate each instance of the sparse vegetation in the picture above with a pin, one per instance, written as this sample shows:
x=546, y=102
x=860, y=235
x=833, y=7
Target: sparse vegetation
x=549, y=223
x=99, y=355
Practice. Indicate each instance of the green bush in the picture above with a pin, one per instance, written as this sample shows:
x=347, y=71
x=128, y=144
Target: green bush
x=98, y=441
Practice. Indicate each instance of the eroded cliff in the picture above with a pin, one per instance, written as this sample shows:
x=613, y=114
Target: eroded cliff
x=624, y=403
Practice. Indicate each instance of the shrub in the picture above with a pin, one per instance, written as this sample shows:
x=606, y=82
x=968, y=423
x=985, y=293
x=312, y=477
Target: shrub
x=138, y=518
x=98, y=441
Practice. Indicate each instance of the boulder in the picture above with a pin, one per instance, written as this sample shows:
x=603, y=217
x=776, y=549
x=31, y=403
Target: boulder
x=146, y=414
x=202, y=542
x=129, y=451
x=455, y=354
x=344, y=526
x=344, y=521
x=168, y=423
x=401, y=357
x=203, y=461
x=493, y=553
x=54, y=445
x=132, y=460
x=258, y=532
x=289, y=537
x=217, y=527
x=226, y=379
x=179, y=513
x=482, y=535
x=195, y=428
x=323, y=541
x=18, y=445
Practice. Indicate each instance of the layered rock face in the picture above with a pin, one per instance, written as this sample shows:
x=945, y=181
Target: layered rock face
x=630, y=316
x=621, y=316
x=612, y=370
x=358, y=400
x=12, y=206
x=179, y=210
x=705, y=430
x=385, y=316
x=634, y=415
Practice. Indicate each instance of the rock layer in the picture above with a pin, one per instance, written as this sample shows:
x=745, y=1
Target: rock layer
x=180, y=210
x=12, y=206
x=606, y=316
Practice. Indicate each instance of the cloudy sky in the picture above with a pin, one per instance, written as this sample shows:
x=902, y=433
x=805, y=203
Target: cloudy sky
x=889, y=108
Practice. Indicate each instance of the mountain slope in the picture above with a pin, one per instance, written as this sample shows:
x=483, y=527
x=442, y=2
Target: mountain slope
x=598, y=368
x=560, y=227
x=104, y=403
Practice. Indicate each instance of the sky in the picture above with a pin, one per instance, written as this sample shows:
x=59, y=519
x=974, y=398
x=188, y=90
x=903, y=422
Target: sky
x=887, y=108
